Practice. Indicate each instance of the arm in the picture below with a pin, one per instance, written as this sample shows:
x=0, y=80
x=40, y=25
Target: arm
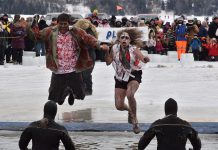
x=195, y=140
x=66, y=140
x=146, y=139
x=86, y=38
x=25, y=138
x=108, y=57
x=140, y=56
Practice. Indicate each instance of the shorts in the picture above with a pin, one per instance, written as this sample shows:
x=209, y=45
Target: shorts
x=123, y=84
x=63, y=85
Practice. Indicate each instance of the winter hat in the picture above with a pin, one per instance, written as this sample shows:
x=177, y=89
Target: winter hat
x=171, y=107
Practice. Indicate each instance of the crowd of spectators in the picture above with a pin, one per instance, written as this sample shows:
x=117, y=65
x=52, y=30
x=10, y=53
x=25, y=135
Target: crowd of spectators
x=200, y=36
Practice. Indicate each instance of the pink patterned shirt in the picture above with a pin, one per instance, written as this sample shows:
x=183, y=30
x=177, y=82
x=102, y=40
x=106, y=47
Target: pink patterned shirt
x=67, y=54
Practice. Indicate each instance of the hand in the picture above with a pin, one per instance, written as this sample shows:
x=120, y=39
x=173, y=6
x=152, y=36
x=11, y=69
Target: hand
x=146, y=60
x=104, y=47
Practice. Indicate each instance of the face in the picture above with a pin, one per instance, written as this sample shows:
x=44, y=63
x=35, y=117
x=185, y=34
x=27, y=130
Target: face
x=17, y=18
x=124, y=39
x=5, y=18
x=63, y=26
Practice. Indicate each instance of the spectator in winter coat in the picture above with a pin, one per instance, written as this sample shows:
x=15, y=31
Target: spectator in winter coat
x=203, y=30
x=192, y=29
x=151, y=43
x=213, y=28
x=104, y=23
x=212, y=48
x=181, y=40
x=29, y=44
x=112, y=21
x=171, y=131
x=170, y=38
x=40, y=45
x=46, y=134
x=159, y=46
x=7, y=26
x=204, y=51
x=195, y=47
x=18, y=32
x=3, y=43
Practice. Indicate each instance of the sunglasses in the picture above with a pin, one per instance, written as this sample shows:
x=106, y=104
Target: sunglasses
x=125, y=37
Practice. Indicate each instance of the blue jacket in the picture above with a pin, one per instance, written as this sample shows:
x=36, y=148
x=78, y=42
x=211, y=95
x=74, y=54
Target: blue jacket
x=181, y=32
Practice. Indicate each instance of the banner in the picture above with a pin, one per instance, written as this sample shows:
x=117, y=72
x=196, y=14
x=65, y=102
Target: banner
x=110, y=34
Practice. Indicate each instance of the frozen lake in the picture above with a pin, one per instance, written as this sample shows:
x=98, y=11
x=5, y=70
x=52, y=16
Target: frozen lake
x=104, y=141
x=24, y=90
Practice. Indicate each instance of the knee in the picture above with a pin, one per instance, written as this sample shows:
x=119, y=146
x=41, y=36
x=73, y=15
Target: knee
x=119, y=106
x=130, y=95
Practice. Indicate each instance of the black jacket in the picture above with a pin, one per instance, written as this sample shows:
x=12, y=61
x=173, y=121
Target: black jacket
x=45, y=137
x=171, y=133
x=212, y=30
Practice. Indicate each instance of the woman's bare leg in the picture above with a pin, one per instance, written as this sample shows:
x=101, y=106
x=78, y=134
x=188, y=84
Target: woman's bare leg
x=132, y=87
x=120, y=95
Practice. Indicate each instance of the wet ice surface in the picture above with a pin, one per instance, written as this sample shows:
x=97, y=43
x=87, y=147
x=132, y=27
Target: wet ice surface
x=104, y=141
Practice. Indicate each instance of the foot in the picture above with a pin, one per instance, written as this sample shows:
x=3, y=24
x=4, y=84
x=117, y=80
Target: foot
x=71, y=99
x=136, y=128
x=129, y=118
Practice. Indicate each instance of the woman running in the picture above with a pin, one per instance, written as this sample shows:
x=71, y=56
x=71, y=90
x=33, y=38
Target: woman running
x=125, y=56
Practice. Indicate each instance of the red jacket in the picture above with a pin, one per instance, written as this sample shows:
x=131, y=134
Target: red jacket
x=212, y=49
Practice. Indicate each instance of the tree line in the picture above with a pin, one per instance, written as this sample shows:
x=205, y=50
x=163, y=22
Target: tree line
x=187, y=7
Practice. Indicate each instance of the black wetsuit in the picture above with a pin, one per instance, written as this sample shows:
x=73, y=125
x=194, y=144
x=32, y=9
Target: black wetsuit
x=171, y=133
x=46, y=134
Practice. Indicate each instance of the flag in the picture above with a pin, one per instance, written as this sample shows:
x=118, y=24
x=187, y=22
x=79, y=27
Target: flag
x=119, y=7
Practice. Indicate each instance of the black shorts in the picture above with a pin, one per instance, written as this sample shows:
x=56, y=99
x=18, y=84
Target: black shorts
x=123, y=84
x=64, y=84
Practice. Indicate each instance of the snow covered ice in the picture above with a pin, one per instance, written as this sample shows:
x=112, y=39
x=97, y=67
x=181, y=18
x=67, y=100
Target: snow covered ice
x=24, y=90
